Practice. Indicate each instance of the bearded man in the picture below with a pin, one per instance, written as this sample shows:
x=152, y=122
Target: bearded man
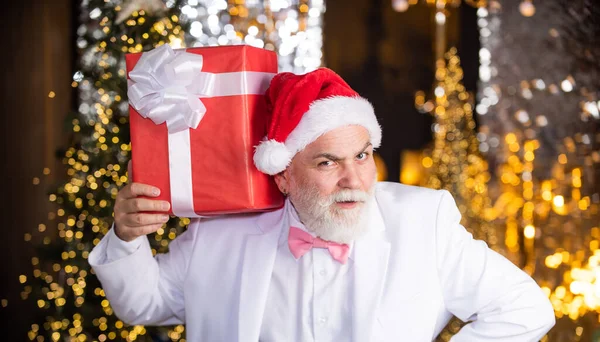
x=346, y=259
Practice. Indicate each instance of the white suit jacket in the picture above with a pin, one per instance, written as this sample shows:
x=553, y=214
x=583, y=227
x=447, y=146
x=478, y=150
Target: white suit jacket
x=415, y=268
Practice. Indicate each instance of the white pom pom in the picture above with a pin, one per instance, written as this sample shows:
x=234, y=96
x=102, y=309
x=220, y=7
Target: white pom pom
x=272, y=157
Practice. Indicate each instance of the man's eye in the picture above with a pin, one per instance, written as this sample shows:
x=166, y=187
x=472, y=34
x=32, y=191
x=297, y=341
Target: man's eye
x=326, y=163
x=362, y=156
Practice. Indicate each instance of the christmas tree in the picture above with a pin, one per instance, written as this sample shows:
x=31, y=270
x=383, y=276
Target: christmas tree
x=71, y=302
x=455, y=163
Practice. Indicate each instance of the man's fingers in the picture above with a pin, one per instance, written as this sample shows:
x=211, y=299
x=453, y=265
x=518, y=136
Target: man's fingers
x=139, y=220
x=129, y=172
x=135, y=205
x=128, y=233
x=145, y=230
x=138, y=189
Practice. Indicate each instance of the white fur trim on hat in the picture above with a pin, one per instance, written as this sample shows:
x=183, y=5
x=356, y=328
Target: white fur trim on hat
x=272, y=157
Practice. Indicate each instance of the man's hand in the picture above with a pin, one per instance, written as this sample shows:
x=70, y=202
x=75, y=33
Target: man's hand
x=130, y=219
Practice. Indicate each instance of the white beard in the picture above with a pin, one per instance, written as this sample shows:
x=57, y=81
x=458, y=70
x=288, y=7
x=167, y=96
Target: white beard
x=321, y=217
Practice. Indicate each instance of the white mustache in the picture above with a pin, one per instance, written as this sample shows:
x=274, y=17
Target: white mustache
x=346, y=196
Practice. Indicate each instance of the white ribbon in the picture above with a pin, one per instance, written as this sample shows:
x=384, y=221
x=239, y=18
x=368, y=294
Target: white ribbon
x=166, y=86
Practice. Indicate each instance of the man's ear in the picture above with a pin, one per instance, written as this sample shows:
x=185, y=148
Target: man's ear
x=282, y=180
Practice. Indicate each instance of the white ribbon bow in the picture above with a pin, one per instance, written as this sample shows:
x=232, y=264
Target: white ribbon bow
x=162, y=88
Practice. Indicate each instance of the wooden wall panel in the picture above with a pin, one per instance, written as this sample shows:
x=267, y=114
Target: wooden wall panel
x=35, y=59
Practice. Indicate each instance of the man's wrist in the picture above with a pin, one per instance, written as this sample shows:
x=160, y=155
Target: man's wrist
x=120, y=236
x=118, y=247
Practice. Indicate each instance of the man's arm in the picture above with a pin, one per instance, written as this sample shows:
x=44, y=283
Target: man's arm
x=143, y=289
x=480, y=285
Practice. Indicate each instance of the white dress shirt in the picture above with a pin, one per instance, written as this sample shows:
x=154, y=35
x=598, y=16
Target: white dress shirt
x=304, y=294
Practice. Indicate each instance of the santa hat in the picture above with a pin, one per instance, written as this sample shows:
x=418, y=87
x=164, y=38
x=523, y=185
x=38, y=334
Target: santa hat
x=304, y=107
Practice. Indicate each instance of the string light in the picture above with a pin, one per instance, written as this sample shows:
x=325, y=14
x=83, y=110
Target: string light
x=400, y=5
x=404, y=5
x=292, y=30
x=549, y=209
x=527, y=8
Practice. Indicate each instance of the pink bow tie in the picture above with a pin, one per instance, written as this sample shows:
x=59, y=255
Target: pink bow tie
x=301, y=242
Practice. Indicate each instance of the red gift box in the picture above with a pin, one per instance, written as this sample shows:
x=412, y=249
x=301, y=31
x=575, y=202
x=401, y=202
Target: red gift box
x=209, y=168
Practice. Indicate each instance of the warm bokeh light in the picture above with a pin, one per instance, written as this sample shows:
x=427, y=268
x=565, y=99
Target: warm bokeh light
x=411, y=171
x=529, y=232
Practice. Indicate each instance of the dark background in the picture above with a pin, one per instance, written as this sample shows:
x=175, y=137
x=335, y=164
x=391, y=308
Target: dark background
x=37, y=57
x=385, y=55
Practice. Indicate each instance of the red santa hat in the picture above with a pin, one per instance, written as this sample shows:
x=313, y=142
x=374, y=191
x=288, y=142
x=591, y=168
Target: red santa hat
x=304, y=107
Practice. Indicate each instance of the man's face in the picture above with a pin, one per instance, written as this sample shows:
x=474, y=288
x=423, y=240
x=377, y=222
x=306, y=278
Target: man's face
x=331, y=181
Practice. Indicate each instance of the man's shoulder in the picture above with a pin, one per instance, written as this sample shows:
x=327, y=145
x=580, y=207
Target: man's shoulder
x=397, y=193
x=250, y=223
x=407, y=208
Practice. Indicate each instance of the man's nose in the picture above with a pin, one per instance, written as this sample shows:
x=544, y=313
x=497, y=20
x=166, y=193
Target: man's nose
x=350, y=177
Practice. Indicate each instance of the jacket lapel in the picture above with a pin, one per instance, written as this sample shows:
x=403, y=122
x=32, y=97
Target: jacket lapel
x=371, y=255
x=258, y=261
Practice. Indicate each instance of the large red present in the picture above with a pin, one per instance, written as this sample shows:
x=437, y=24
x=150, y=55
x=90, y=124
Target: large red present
x=195, y=116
